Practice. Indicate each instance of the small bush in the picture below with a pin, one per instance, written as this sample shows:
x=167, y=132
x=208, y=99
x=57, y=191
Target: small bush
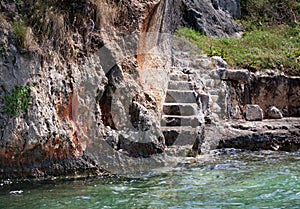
x=216, y=52
x=20, y=32
x=17, y=101
x=270, y=12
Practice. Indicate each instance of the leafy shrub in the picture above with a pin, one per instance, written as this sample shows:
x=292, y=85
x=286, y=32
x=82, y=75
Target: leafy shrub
x=270, y=11
x=17, y=101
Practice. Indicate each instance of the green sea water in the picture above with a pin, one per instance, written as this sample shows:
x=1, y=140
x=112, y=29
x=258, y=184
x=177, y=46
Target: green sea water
x=232, y=180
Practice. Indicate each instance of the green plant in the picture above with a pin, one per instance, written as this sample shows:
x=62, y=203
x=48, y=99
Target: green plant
x=20, y=32
x=216, y=52
x=18, y=100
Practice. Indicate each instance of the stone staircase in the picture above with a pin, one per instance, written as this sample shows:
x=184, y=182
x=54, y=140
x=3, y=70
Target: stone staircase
x=196, y=100
x=181, y=122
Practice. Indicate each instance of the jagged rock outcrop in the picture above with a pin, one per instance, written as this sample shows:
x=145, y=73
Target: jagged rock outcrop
x=282, y=135
x=211, y=17
x=263, y=89
x=231, y=6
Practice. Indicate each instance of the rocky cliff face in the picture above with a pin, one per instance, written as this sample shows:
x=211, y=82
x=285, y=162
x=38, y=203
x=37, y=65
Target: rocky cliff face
x=87, y=66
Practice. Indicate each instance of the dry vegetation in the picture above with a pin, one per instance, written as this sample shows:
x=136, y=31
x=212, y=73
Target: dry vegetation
x=107, y=13
x=70, y=29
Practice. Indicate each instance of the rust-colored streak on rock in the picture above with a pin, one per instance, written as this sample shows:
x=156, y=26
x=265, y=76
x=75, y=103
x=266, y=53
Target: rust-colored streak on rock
x=73, y=107
x=68, y=112
x=142, y=46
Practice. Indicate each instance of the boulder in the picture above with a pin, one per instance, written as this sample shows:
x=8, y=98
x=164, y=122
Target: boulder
x=274, y=113
x=254, y=113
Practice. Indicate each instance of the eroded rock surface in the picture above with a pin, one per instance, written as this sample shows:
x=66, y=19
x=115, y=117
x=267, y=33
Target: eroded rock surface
x=274, y=113
x=212, y=18
x=95, y=91
x=282, y=135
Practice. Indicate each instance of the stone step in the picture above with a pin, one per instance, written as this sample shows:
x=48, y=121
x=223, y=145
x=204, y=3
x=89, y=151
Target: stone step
x=180, y=96
x=183, y=135
x=180, y=85
x=181, y=109
x=175, y=120
x=179, y=77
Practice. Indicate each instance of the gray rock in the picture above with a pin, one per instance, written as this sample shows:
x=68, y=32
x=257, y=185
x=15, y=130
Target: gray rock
x=243, y=76
x=219, y=61
x=206, y=17
x=254, y=113
x=184, y=96
x=140, y=117
x=231, y=6
x=274, y=113
x=256, y=135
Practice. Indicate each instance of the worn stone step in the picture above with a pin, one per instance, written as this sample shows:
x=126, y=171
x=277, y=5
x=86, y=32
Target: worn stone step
x=183, y=135
x=180, y=85
x=181, y=96
x=182, y=109
x=181, y=62
x=179, y=77
x=177, y=120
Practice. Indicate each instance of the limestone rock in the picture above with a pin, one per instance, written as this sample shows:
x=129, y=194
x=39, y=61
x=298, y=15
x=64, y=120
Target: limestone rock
x=254, y=113
x=242, y=76
x=221, y=63
x=231, y=6
x=274, y=113
x=270, y=134
x=140, y=117
x=279, y=90
x=206, y=17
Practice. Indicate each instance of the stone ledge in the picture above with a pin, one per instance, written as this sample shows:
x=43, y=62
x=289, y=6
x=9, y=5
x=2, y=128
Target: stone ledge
x=271, y=134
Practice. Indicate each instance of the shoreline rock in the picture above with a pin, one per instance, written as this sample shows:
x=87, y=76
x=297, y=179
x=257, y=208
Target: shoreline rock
x=271, y=134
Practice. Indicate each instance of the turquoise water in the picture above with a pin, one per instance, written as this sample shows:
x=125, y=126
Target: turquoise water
x=232, y=180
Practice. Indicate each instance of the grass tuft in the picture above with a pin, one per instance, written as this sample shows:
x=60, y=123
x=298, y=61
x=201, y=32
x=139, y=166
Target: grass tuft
x=20, y=32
